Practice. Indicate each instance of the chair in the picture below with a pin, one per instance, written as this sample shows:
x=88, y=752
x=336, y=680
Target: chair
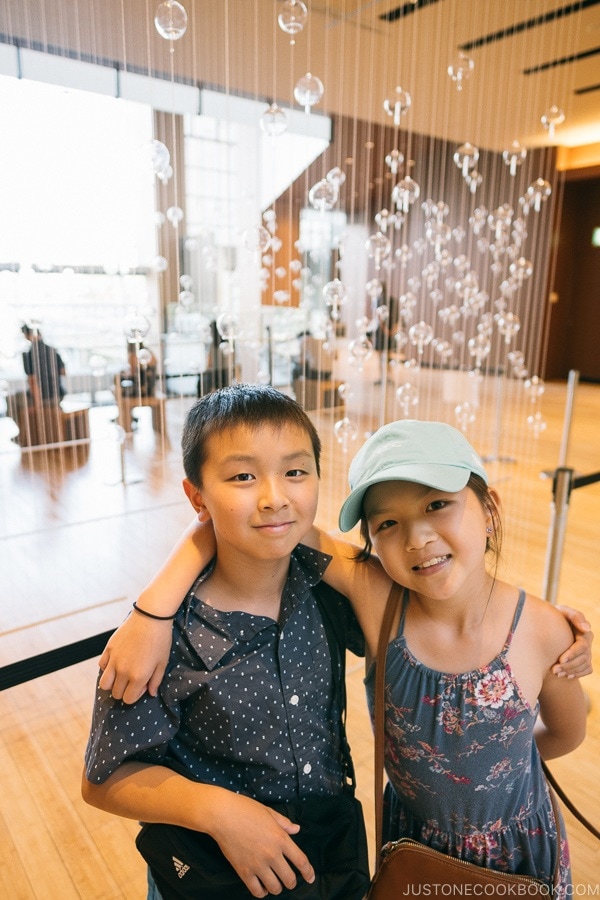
x=127, y=401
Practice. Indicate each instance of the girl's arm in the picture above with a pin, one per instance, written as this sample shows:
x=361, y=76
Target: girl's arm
x=561, y=724
x=135, y=657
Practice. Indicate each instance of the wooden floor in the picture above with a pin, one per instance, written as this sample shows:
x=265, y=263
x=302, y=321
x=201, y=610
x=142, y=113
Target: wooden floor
x=81, y=532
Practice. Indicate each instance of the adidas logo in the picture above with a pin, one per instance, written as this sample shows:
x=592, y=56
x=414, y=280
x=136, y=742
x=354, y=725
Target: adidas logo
x=180, y=867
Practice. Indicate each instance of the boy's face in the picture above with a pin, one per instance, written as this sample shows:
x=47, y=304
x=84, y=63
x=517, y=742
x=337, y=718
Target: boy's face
x=259, y=488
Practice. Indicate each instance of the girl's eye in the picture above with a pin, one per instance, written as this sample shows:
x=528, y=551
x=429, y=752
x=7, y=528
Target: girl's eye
x=437, y=504
x=387, y=523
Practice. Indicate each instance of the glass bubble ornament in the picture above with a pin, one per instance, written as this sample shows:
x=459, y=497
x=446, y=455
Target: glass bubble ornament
x=228, y=326
x=292, y=18
x=360, y=350
x=144, y=357
x=405, y=193
x=552, y=118
x=160, y=264
x=378, y=248
x=461, y=69
x=534, y=387
x=170, y=20
x=407, y=396
x=334, y=294
x=309, y=91
x=135, y=327
x=323, y=195
x=186, y=299
x=509, y=325
x=537, y=423
x=398, y=104
x=160, y=158
x=345, y=432
x=420, y=336
x=466, y=157
x=394, y=160
x=175, y=215
x=514, y=156
x=274, y=121
x=464, y=416
x=98, y=365
x=256, y=239
x=479, y=348
x=336, y=177
x=539, y=191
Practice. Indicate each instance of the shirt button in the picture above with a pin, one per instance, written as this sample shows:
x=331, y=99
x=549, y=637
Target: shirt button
x=294, y=699
x=307, y=768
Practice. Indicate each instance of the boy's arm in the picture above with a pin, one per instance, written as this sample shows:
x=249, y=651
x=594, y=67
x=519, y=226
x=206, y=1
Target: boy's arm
x=135, y=657
x=254, y=838
x=576, y=661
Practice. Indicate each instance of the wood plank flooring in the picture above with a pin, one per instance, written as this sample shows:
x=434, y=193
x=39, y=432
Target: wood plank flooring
x=80, y=534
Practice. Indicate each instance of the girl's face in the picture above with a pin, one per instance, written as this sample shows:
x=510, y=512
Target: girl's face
x=432, y=542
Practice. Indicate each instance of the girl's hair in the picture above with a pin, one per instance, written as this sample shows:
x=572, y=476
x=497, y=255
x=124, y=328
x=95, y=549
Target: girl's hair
x=481, y=491
x=248, y=405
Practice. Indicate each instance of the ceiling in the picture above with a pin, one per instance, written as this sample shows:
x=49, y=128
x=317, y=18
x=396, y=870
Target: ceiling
x=528, y=56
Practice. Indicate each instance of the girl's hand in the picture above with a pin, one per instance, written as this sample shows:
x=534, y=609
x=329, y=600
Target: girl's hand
x=135, y=658
x=576, y=661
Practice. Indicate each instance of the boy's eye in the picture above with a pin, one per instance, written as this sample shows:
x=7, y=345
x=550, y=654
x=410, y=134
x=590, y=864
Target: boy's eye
x=243, y=476
x=295, y=473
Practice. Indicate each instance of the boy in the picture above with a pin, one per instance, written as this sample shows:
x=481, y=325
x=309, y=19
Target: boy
x=248, y=713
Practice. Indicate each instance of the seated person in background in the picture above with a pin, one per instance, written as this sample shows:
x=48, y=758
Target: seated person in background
x=216, y=374
x=44, y=369
x=315, y=361
x=139, y=378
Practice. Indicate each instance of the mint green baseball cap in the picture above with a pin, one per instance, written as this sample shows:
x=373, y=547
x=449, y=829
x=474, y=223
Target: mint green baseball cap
x=430, y=453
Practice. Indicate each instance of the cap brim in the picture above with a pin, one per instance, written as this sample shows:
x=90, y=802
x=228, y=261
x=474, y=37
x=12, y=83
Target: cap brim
x=441, y=478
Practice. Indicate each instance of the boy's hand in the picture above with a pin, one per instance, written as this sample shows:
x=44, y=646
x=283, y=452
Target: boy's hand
x=256, y=841
x=576, y=661
x=135, y=658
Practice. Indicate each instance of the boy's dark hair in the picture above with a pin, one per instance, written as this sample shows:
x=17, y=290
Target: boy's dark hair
x=250, y=405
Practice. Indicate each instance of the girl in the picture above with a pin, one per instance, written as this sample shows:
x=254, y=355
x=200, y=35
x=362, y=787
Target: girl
x=471, y=700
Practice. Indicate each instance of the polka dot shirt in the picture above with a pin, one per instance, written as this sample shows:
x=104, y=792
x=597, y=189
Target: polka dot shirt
x=247, y=703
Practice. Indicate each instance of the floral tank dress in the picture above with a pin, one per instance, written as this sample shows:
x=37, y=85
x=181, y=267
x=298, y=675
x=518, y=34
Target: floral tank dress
x=464, y=771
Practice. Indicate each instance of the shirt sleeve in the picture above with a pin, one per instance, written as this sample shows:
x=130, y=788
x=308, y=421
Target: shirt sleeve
x=122, y=732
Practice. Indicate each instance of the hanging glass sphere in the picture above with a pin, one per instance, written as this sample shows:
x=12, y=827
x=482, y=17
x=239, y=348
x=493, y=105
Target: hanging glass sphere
x=274, y=121
x=256, y=239
x=397, y=105
x=479, y=347
x=292, y=18
x=514, y=156
x=135, y=327
x=539, y=191
x=466, y=157
x=378, y=247
x=394, y=160
x=474, y=179
x=405, y=193
x=309, y=91
x=534, y=387
x=345, y=431
x=464, y=415
x=160, y=157
x=552, y=118
x=509, y=325
x=407, y=395
x=521, y=269
x=374, y=289
x=170, y=20
x=186, y=282
x=336, y=177
x=403, y=254
x=444, y=349
x=360, y=349
x=229, y=327
x=144, y=357
x=420, y=335
x=174, y=215
x=160, y=264
x=323, y=195
x=460, y=69
x=537, y=423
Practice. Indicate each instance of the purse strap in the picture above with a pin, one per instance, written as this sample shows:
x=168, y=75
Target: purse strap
x=569, y=803
x=379, y=728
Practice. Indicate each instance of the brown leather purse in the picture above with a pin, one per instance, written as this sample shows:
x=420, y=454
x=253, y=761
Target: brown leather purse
x=406, y=867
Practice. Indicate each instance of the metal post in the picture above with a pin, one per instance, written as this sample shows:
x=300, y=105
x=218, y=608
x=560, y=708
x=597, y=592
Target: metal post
x=563, y=480
x=564, y=445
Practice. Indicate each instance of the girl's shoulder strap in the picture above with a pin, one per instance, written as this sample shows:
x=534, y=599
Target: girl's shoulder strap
x=515, y=621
